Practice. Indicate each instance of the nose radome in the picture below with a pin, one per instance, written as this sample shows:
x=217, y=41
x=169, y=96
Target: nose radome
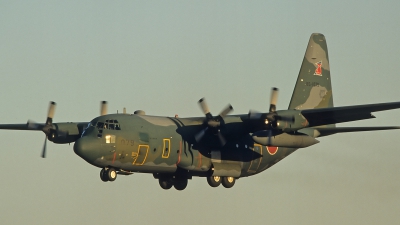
x=88, y=148
x=79, y=147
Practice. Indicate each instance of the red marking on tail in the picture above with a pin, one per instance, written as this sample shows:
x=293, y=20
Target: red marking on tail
x=318, y=70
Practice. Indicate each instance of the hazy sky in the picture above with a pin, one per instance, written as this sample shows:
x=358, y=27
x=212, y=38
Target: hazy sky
x=162, y=57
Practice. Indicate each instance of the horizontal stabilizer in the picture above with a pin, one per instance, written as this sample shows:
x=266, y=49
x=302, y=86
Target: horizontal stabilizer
x=323, y=116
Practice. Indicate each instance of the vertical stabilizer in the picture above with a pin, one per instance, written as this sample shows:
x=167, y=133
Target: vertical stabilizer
x=313, y=87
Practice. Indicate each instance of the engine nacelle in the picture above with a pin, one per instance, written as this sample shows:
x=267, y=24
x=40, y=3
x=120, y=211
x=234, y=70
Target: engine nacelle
x=63, y=133
x=284, y=139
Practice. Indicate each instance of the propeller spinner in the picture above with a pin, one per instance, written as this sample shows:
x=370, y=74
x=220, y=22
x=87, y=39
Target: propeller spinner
x=213, y=123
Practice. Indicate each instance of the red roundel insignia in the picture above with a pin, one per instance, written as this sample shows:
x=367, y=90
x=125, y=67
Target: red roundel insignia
x=318, y=70
x=272, y=150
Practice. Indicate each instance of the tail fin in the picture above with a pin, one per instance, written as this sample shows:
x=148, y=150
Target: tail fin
x=313, y=87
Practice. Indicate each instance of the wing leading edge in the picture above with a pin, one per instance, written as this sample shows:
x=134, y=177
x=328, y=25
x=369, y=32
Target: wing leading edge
x=17, y=127
x=324, y=116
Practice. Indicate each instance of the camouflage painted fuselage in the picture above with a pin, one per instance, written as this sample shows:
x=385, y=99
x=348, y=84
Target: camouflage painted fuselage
x=151, y=144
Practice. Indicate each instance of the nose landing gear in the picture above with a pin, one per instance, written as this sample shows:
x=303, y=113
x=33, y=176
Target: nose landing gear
x=108, y=174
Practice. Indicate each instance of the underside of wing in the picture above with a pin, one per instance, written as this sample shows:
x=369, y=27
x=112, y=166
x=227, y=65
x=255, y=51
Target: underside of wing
x=326, y=131
x=323, y=116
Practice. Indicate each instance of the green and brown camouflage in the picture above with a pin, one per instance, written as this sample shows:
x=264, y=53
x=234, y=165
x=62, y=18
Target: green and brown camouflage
x=221, y=148
x=313, y=87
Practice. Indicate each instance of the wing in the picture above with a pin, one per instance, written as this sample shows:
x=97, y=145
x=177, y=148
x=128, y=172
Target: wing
x=325, y=131
x=57, y=132
x=323, y=116
x=19, y=127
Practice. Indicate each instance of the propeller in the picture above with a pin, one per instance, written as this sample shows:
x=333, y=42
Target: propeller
x=47, y=128
x=271, y=118
x=213, y=123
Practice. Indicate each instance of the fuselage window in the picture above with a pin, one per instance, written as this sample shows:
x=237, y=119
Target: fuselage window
x=110, y=139
x=100, y=125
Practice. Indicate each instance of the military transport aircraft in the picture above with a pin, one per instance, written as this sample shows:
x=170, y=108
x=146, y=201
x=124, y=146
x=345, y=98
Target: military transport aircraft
x=220, y=148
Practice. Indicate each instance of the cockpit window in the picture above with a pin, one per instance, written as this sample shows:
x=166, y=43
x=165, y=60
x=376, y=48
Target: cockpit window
x=109, y=125
x=100, y=125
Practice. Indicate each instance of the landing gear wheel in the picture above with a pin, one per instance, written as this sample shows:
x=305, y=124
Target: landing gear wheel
x=111, y=174
x=214, y=181
x=228, y=182
x=180, y=184
x=103, y=175
x=165, y=183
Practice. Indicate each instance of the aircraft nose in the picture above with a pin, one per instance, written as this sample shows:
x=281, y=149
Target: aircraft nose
x=80, y=146
x=89, y=149
x=84, y=148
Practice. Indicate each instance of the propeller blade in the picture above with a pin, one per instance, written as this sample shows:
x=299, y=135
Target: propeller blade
x=221, y=138
x=50, y=113
x=44, y=148
x=226, y=111
x=103, y=108
x=204, y=108
x=213, y=123
x=269, y=137
x=200, y=135
x=274, y=99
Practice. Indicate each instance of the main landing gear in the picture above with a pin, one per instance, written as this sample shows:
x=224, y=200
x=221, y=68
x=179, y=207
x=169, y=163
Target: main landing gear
x=179, y=183
x=215, y=181
x=108, y=174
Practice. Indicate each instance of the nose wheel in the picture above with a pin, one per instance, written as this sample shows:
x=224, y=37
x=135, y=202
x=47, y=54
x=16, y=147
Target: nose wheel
x=108, y=174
